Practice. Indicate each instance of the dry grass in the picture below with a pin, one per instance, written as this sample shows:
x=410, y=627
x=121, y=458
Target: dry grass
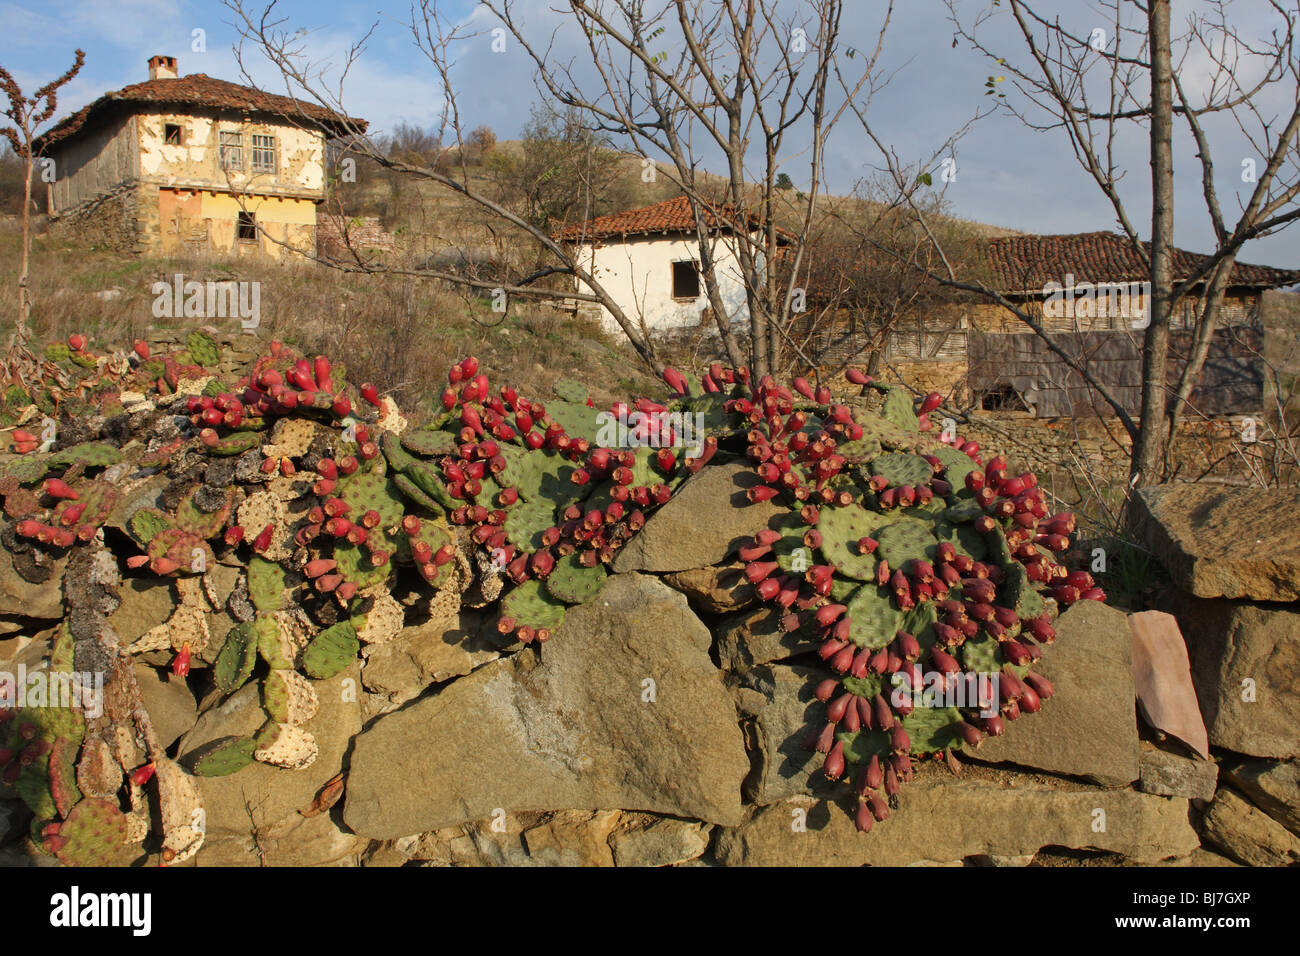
x=401, y=333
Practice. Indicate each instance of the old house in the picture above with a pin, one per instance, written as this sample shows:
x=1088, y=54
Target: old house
x=648, y=260
x=1089, y=291
x=191, y=164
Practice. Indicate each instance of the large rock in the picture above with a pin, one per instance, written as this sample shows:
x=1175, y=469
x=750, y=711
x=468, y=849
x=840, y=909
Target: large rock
x=169, y=702
x=1225, y=542
x=749, y=638
x=21, y=598
x=1170, y=775
x=1162, y=679
x=942, y=819
x=708, y=518
x=716, y=589
x=1245, y=658
x=1089, y=728
x=428, y=653
x=645, y=840
x=254, y=815
x=1248, y=834
x=571, y=727
x=572, y=838
x=1273, y=786
x=783, y=765
x=146, y=603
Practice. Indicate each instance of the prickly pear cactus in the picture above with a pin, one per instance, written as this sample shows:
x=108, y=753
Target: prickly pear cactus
x=900, y=556
x=927, y=580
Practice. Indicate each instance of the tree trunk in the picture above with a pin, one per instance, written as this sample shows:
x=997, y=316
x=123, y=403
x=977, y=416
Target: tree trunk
x=1148, y=457
x=23, y=330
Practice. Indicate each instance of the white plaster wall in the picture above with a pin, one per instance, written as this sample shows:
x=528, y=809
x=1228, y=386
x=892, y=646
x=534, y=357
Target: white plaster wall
x=638, y=274
x=300, y=154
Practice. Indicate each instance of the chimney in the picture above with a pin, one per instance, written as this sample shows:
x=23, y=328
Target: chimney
x=162, y=67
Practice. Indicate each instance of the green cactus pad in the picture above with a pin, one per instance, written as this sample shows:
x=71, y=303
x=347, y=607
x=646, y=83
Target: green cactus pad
x=204, y=524
x=97, y=500
x=236, y=443
x=956, y=466
x=932, y=729
x=147, y=523
x=874, y=617
x=398, y=457
x=231, y=754
x=578, y=420
x=899, y=469
x=90, y=454
x=860, y=747
x=572, y=583
x=919, y=622
x=964, y=512
x=192, y=553
x=841, y=529
x=63, y=774
x=543, y=474
x=265, y=584
x=234, y=664
x=964, y=538
x=428, y=443
x=898, y=409
x=527, y=520
x=417, y=497
x=97, y=833
x=981, y=655
x=266, y=630
x=330, y=651
x=904, y=541
x=1017, y=593
x=530, y=604
x=355, y=565
x=203, y=348
x=365, y=491
x=424, y=476
x=868, y=686
x=571, y=391
x=25, y=469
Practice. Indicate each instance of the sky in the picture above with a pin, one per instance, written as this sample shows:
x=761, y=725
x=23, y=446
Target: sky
x=1005, y=173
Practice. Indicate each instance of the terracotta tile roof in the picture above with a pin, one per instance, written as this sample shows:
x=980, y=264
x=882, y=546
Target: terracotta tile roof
x=1027, y=263
x=662, y=218
x=198, y=89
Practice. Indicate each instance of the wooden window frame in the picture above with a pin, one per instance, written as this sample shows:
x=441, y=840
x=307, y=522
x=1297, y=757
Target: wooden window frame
x=695, y=269
x=231, y=154
x=270, y=166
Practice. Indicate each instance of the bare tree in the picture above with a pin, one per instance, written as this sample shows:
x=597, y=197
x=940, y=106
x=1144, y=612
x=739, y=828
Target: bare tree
x=28, y=114
x=748, y=89
x=1130, y=71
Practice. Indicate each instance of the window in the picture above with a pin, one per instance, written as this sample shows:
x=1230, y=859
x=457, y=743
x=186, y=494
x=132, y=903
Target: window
x=686, y=280
x=232, y=150
x=246, y=227
x=1002, y=398
x=172, y=134
x=263, y=154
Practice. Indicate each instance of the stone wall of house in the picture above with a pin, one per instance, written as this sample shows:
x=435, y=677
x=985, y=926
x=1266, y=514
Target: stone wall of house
x=112, y=220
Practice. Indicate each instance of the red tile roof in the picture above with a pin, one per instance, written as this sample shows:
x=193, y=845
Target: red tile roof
x=198, y=89
x=663, y=218
x=1027, y=263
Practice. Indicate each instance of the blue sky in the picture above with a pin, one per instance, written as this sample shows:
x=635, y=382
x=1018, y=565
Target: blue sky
x=1006, y=174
